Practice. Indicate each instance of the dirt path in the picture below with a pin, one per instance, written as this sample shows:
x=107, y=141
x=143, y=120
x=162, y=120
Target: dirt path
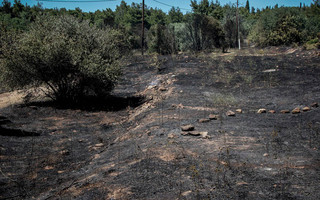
x=137, y=151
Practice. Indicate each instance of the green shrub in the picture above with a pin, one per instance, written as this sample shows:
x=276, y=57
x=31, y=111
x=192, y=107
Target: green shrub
x=312, y=44
x=70, y=58
x=314, y=41
x=281, y=26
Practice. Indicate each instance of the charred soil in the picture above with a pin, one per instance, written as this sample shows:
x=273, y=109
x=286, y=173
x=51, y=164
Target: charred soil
x=135, y=149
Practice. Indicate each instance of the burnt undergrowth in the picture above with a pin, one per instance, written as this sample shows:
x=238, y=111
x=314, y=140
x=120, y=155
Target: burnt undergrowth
x=86, y=153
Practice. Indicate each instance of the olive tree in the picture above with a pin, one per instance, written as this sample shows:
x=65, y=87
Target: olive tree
x=70, y=58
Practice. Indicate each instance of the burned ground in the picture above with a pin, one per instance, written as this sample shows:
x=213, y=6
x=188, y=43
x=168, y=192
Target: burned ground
x=135, y=150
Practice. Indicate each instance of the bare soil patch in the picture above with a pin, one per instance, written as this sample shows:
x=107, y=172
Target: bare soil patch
x=135, y=149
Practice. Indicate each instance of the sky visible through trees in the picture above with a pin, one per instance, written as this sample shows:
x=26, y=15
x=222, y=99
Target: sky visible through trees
x=164, y=5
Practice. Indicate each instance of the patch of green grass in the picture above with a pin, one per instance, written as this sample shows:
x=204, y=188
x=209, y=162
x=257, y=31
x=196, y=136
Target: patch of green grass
x=247, y=79
x=219, y=99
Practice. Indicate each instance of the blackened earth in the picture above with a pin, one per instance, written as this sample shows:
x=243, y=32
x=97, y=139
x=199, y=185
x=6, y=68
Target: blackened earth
x=135, y=149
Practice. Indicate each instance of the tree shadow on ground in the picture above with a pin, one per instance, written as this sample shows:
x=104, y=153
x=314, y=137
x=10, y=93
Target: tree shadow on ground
x=93, y=103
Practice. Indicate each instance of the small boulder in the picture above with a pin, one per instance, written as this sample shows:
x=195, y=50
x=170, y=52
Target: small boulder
x=239, y=110
x=188, y=127
x=265, y=155
x=204, y=120
x=296, y=111
x=305, y=109
x=315, y=105
x=194, y=133
x=162, y=89
x=204, y=135
x=231, y=113
x=65, y=152
x=213, y=117
x=272, y=111
x=33, y=107
x=171, y=136
x=285, y=111
x=262, y=110
x=99, y=145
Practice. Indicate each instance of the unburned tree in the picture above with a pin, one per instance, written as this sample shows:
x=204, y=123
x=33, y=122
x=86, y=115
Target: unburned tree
x=67, y=57
x=204, y=32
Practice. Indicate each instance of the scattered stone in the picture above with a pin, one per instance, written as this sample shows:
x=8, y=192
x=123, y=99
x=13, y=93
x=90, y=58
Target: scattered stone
x=33, y=107
x=64, y=152
x=242, y=183
x=99, y=145
x=239, y=110
x=296, y=111
x=162, y=89
x=270, y=70
x=184, y=133
x=148, y=133
x=186, y=193
x=230, y=113
x=285, y=111
x=48, y=167
x=305, y=109
x=265, y=155
x=194, y=133
x=187, y=128
x=204, y=135
x=204, y=120
x=224, y=163
x=213, y=117
x=315, y=105
x=272, y=111
x=262, y=110
x=171, y=136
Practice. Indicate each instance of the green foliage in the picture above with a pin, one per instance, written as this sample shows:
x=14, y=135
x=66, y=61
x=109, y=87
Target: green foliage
x=175, y=15
x=204, y=7
x=103, y=19
x=161, y=39
x=313, y=44
x=230, y=27
x=287, y=32
x=69, y=57
x=247, y=6
x=204, y=32
x=270, y=26
x=155, y=17
x=281, y=26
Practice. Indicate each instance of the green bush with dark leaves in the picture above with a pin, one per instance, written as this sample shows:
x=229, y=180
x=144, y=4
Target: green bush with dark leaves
x=285, y=26
x=69, y=58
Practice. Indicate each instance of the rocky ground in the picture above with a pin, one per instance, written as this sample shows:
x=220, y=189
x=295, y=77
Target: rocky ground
x=250, y=123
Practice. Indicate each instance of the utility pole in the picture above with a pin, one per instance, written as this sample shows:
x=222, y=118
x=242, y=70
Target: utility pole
x=238, y=25
x=142, y=31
